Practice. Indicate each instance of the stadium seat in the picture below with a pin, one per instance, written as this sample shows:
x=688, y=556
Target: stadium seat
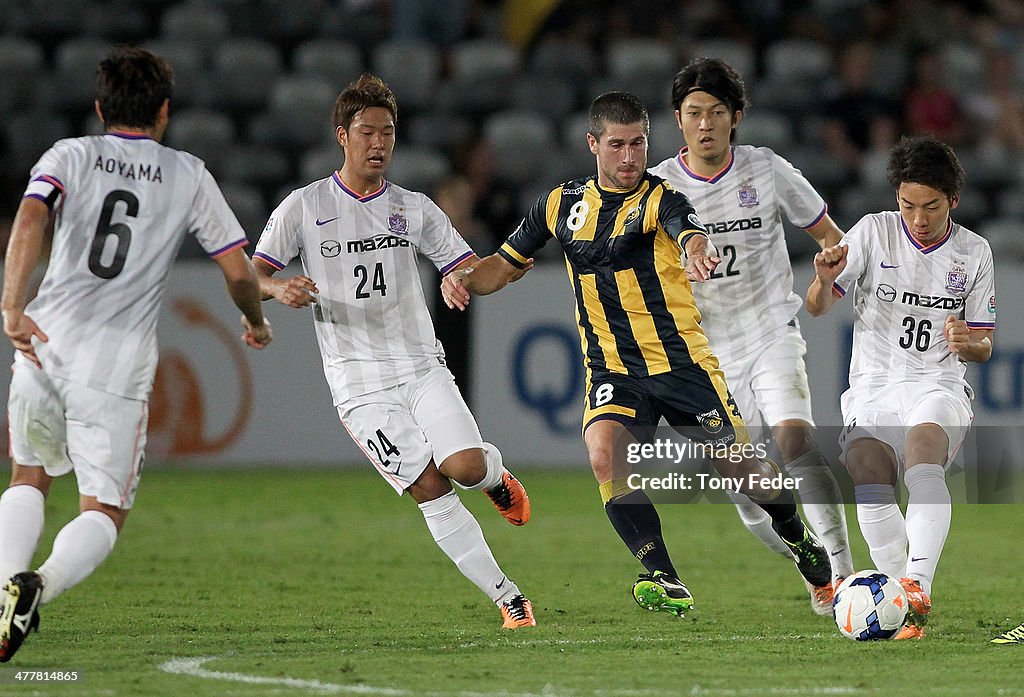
x=258, y=165
x=318, y=163
x=249, y=207
x=299, y=114
x=74, y=76
x=824, y=172
x=665, y=139
x=797, y=60
x=965, y=66
x=200, y=24
x=508, y=130
x=484, y=59
x=418, y=169
x=117, y=21
x=284, y=23
x=1006, y=237
x=335, y=62
x=191, y=79
x=435, y=128
x=857, y=201
x=635, y=58
x=29, y=135
x=574, y=130
x=566, y=60
x=204, y=133
x=551, y=97
x=48, y=21
x=244, y=74
x=738, y=54
x=767, y=128
x=411, y=69
x=21, y=62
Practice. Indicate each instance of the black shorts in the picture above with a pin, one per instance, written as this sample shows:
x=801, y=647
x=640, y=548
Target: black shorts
x=694, y=401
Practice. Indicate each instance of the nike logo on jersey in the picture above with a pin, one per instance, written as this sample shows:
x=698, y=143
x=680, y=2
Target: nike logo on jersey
x=838, y=552
x=884, y=265
x=918, y=558
x=324, y=222
x=500, y=583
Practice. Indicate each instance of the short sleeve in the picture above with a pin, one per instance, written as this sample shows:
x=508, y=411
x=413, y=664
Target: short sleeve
x=980, y=312
x=533, y=232
x=213, y=222
x=803, y=206
x=440, y=241
x=856, y=258
x=49, y=175
x=279, y=242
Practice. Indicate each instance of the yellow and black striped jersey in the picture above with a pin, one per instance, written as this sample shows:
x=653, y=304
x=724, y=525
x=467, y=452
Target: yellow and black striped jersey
x=634, y=307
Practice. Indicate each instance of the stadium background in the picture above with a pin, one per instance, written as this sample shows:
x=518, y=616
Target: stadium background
x=492, y=100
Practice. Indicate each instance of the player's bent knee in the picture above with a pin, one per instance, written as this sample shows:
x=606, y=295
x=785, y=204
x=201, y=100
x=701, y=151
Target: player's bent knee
x=795, y=437
x=926, y=443
x=871, y=462
x=431, y=484
x=468, y=467
x=25, y=475
x=118, y=515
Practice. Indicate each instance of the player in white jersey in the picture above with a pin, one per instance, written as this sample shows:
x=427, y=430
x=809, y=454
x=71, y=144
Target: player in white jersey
x=748, y=307
x=120, y=205
x=358, y=237
x=925, y=305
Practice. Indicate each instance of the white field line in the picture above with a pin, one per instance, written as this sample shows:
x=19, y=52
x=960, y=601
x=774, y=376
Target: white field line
x=193, y=667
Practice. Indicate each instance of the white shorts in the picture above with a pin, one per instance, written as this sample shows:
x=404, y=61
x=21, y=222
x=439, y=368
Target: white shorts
x=769, y=384
x=405, y=428
x=60, y=425
x=888, y=413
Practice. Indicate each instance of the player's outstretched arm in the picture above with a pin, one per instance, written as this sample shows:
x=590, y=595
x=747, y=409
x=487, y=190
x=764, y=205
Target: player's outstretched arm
x=700, y=258
x=297, y=291
x=828, y=264
x=826, y=233
x=479, y=277
x=244, y=289
x=23, y=252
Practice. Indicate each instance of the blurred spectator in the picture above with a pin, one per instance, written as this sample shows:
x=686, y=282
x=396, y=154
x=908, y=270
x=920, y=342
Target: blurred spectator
x=441, y=23
x=930, y=107
x=1000, y=107
x=857, y=118
x=495, y=201
x=455, y=197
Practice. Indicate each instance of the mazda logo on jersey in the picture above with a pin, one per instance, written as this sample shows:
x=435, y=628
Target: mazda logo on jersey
x=885, y=293
x=330, y=248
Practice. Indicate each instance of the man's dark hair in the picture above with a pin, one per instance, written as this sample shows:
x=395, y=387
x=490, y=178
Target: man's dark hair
x=616, y=107
x=925, y=160
x=131, y=86
x=714, y=76
x=368, y=91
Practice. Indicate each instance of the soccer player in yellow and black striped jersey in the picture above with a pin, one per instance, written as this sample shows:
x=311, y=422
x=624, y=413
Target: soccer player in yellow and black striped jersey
x=646, y=356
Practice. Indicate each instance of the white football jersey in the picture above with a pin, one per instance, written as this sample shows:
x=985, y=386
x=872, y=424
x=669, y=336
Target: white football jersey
x=124, y=204
x=371, y=316
x=750, y=295
x=904, y=292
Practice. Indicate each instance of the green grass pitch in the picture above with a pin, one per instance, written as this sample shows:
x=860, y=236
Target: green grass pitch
x=325, y=582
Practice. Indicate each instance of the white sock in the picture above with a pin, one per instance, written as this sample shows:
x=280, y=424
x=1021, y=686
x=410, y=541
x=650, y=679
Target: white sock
x=760, y=524
x=823, y=508
x=459, y=536
x=78, y=549
x=495, y=469
x=928, y=515
x=21, y=523
x=883, y=527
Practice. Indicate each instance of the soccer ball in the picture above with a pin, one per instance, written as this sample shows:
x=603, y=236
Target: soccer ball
x=869, y=605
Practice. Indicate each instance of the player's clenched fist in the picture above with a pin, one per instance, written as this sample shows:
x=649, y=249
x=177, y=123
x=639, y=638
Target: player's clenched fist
x=830, y=262
x=297, y=291
x=453, y=289
x=958, y=334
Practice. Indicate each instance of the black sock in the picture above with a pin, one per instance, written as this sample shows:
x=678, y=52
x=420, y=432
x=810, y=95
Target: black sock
x=636, y=521
x=785, y=520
